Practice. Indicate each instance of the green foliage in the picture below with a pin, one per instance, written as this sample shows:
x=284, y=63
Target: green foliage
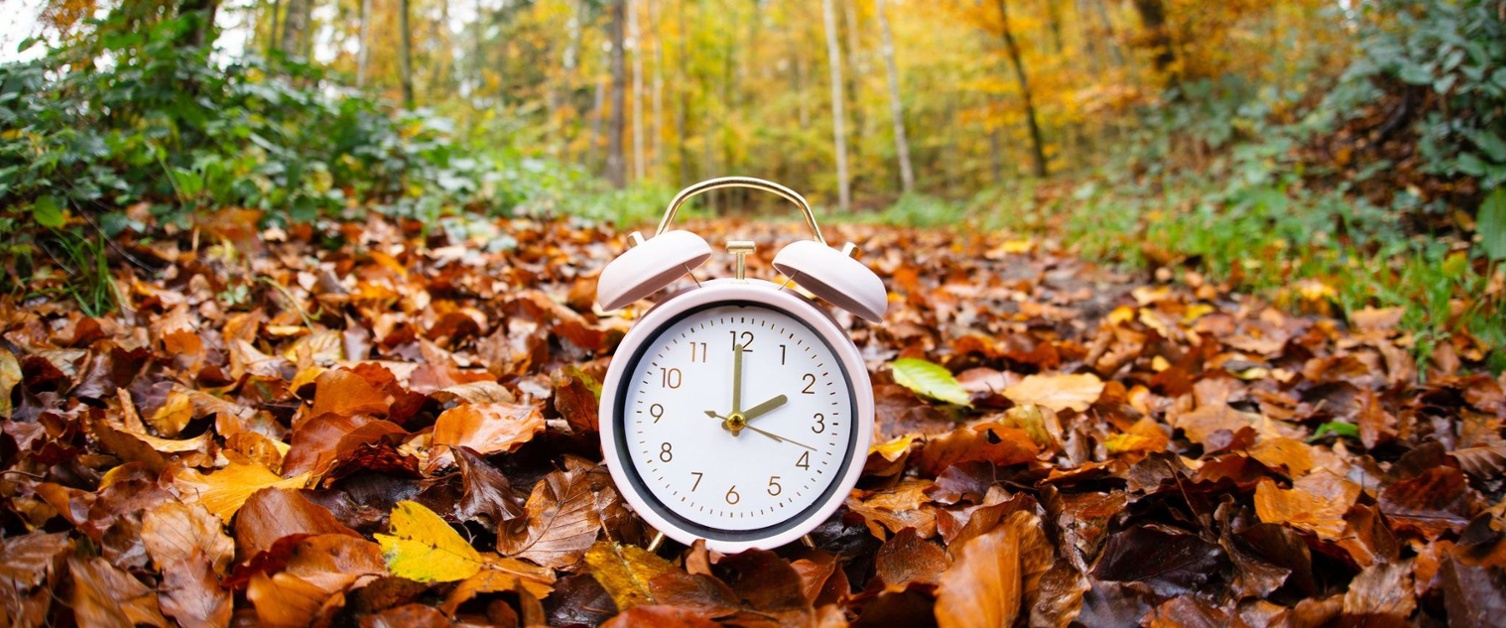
x=1455, y=53
x=137, y=116
x=929, y=380
x=1492, y=225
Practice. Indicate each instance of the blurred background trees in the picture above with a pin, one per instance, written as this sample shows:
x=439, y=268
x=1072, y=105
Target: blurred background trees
x=1355, y=143
x=668, y=91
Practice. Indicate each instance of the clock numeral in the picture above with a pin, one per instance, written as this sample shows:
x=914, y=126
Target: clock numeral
x=805, y=461
x=656, y=411
x=698, y=475
x=670, y=378
x=702, y=351
x=732, y=496
x=747, y=340
x=774, y=487
x=781, y=354
x=810, y=380
x=666, y=452
x=820, y=425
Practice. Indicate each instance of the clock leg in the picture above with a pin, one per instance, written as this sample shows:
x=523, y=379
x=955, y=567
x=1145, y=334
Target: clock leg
x=653, y=546
x=806, y=541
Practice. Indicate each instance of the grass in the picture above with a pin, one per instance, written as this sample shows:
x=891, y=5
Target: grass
x=1325, y=252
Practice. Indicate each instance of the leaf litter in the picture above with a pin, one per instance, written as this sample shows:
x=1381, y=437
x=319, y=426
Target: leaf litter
x=398, y=426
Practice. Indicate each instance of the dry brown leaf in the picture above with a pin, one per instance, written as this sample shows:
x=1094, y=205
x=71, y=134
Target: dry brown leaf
x=1059, y=392
x=992, y=442
x=561, y=524
x=1316, y=503
x=996, y=577
x=488, y=428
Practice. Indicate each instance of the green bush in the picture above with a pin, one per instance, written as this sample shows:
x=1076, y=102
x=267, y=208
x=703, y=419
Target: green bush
x=137, y=116
x=1454, y=53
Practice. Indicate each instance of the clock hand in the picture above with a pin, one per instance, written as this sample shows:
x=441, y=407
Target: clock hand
x=737, y=378
x=726, y=424
x=764, y=408
x=779, y=438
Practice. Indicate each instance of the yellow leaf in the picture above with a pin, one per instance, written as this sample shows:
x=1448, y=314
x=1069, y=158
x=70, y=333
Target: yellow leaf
x=625, y=571
x=1122, y=314
x=170, y=419
x=424, y=548
x=10, y=375
x=1196, y=311
x=223, y=492
x=1058, y=392
x=893, y=449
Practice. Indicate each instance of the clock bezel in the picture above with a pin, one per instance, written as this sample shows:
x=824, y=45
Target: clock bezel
x=718, y=293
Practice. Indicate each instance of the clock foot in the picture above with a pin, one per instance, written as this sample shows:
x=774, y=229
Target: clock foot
x=653, y=546
x=806, y=541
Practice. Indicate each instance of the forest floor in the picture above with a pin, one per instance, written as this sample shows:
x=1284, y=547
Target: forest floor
x=267, y=427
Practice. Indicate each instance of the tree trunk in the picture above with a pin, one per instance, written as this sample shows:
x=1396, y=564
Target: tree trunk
x=857, y=67
x=272, y=37
x=589, y=158
x=1038, y=150
x=204, y=11
x=567, y=82
x=656, y=133
x=1054, y=20
x=616, y=170
x=838, y=109
x=1153, y=19
x=294, y=24
x=636, y=36
x=896, y=105
x=405, y=53
x=363, y=59
x=683, y=108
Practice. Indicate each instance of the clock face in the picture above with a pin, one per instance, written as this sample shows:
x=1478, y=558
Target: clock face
x=735, y=417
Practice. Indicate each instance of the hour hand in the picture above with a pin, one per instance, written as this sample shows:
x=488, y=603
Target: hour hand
x=764, y=408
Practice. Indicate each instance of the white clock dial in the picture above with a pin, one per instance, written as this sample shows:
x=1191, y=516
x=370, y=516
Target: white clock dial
x=729, y=446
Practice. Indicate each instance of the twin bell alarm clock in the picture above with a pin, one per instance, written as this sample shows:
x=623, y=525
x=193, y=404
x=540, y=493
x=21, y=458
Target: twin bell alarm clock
x=737, y=411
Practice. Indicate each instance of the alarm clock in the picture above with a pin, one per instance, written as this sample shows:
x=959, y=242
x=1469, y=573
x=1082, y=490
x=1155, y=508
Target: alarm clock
x=737, y=411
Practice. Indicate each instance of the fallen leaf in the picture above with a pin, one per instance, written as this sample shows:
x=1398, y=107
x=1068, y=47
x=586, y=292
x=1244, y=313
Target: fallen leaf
x=501, y=574
x=272, y=514
x=423, y=547
x=1167, y=560
x=1059, y=392
x=1002, y=446
x=1437, y=501
x=625, y=572
x=996, y=576
x=189, y=547
x=930, y=380
x=106, y=596
x=224, y=491
x=345, y=393
x=906, y=559
x=1316, y=503
x=488, y=428
x=560, y=525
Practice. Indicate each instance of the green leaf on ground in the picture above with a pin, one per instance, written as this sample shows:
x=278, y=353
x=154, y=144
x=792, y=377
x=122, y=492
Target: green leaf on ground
x=930, y=380
x=1337, y=429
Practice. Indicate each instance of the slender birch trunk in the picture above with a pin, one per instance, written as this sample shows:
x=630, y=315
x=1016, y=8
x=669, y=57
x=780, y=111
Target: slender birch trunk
x=896, y=104
x=838, y=108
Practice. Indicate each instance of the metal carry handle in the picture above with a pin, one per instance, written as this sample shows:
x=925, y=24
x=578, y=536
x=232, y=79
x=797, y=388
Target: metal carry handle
x=740, y=182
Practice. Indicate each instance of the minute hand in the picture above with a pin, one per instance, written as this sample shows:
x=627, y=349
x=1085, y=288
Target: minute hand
x=764, y=408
